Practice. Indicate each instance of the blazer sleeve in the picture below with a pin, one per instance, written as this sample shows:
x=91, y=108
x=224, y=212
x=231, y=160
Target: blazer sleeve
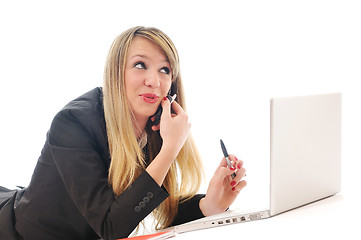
x=85, y=177
x=189, y=210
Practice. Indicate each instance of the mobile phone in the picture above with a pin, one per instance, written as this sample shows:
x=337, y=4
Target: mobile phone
x=159, y=111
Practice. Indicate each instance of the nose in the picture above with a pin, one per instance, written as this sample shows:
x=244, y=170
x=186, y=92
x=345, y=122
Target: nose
x=152, y=79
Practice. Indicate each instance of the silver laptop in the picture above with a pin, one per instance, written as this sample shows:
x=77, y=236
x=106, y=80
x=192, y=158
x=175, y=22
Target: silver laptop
x=305, y=158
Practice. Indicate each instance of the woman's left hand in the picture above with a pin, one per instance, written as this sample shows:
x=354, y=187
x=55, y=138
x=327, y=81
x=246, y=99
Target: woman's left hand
x=222, y=189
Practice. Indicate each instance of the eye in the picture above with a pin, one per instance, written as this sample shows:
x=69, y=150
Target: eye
x=140, y=65
x=165, y=70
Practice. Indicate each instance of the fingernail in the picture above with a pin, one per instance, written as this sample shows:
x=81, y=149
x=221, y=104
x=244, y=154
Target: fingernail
x=236, y=158
x=233, y=183
x=165, y=98
x=233, y=189
x=232, y=168
x=239, y=165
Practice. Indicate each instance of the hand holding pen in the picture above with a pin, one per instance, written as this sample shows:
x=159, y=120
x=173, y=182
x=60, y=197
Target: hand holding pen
x=225, y=185
x=233, y=165
x=229, y=162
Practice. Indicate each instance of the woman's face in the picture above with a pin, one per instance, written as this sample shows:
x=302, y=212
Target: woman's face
x=148, y=77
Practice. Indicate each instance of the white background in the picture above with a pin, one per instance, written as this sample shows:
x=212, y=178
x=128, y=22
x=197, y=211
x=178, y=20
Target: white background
x=235, y=55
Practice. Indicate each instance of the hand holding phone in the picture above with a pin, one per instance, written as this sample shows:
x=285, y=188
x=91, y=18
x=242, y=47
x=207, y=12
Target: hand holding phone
x=158, y=114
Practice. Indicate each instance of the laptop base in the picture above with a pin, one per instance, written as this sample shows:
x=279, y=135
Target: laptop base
x=221, y=220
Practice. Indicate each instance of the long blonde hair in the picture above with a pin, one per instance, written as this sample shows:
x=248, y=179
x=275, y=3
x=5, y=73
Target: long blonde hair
x=127, y=158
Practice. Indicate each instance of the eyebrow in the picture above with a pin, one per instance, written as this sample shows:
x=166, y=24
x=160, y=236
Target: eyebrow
x=139, y=55
x=145, y=56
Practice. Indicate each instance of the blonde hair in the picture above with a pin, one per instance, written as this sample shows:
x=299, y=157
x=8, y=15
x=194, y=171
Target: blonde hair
x=127, y=158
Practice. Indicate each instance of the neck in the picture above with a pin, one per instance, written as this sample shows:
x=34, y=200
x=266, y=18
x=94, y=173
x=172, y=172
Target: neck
x=139, y=126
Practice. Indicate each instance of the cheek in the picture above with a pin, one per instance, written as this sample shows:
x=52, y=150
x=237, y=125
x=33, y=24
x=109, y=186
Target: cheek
x=166, y=86
x=131, y=84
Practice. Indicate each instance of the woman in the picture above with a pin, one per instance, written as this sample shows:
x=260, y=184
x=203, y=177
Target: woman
x=105, y=166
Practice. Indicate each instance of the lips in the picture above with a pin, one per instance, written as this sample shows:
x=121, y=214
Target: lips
x=149, y=97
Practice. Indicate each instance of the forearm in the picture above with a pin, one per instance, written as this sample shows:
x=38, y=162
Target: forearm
x=159, y=167
x=189, y=210
x=132, y=206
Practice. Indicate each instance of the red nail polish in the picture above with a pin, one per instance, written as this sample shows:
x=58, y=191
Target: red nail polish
x=232, y=168
x=239, y=165
x=165, y=98
x=236, y=158
x=233, y=183
x=233, y=189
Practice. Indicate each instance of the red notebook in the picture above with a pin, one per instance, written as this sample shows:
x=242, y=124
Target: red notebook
x=154, y=236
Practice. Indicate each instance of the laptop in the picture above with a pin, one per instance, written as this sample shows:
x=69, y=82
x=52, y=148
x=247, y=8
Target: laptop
x=305, y=158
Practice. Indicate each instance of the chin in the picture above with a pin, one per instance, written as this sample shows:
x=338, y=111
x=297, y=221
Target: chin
x=144, y=114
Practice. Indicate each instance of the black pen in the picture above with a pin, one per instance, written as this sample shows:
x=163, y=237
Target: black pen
x=229, y=162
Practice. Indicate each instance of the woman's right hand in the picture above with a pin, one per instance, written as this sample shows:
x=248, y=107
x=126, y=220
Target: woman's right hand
x=174, y=127
x=174, y=130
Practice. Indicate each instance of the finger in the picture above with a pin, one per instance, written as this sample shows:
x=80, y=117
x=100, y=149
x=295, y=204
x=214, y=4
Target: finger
x=166, y=108
x=156, y=127
x=223, y=163
x=239, y=164
x=177, y=108
x=237, y=188
x=225, y=173
x=235, y=162
x=239, y=175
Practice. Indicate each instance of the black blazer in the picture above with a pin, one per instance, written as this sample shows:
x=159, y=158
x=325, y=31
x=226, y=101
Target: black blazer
x=69, y=196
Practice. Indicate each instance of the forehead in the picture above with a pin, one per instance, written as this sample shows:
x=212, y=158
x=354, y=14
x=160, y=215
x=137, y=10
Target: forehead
x=141, y=46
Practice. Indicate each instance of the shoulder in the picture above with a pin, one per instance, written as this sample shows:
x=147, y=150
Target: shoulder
x=83, y=117
x=83, y=106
